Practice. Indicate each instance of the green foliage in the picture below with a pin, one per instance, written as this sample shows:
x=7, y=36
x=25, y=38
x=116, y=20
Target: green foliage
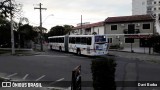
x=67, y=28
x=103, y=74
x=5, y=8
x=27, y=32
x=155, y=40
x=5, y=32
x=60, y=30
x=56, y=31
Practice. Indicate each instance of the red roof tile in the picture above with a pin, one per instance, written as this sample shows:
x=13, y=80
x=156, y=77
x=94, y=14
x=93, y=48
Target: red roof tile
x=91, y=25
x=134, y=18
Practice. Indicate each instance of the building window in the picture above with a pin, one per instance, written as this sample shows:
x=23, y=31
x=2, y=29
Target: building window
x=155, y=2
x=149, y=9
x=146, y=26
x=113, y=27
x=109, y=40
x=144, y=43
x=129, y=40
x=154, y=8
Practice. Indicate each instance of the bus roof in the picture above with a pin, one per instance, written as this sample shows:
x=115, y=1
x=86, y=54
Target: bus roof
x=84, y=35
x=55, y=36
x=75, y=36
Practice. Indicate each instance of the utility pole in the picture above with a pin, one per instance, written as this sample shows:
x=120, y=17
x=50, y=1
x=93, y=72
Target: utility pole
x=40, y=9
x=81, y=24
x=12, y=33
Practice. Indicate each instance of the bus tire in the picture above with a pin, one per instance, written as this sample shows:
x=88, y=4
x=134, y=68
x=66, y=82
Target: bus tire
x=78, y=52
x=60, y=48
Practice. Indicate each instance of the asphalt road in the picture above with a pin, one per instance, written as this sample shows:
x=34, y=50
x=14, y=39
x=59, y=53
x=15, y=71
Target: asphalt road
x=54, y=65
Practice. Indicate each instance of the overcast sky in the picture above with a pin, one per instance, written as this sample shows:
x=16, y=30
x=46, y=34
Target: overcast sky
x=61, y=12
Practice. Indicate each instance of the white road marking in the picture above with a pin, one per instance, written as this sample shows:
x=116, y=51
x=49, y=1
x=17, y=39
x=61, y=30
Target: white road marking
x=25, y=76
x=40, y=77
x=12, y=75
x=57, y=81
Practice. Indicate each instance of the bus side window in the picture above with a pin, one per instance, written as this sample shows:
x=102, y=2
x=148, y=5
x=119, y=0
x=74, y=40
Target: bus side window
x=88, y=40
x=62, y=40
x=53, y=40
x=70, y=39
x=73, y=40
x=83, y=40
x=56, y=40
x=77, y=40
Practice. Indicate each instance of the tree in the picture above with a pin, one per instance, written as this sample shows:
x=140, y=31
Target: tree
x=67, y=28
x=5, y=8
x=155, y=41
x=27, y=34
x=56, y=31
x=38, y=29
x=60, y=30
x=4, y=32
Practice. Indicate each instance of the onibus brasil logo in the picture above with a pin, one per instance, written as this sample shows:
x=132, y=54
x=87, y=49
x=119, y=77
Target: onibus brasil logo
x=21, y=84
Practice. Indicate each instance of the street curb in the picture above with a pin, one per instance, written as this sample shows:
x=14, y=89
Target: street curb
x=136, y=52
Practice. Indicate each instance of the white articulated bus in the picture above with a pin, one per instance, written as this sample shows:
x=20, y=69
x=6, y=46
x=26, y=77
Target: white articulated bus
x=91, y=45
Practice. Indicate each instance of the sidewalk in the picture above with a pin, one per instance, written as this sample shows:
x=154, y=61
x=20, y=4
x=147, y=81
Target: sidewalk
x=140, y=56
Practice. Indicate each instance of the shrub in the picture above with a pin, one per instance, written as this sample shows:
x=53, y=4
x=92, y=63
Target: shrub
x=103, y=74
x=155, y=41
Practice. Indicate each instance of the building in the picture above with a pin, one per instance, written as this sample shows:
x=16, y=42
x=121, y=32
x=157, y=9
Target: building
x=88, y=29
x=129, y=32
x=140, y=7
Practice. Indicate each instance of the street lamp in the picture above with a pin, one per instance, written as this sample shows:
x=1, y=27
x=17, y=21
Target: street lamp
x=47, y=17
x=41, y=22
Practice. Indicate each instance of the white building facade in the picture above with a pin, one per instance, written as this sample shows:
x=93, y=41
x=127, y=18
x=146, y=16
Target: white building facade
x=89, y=29
x=140, y=7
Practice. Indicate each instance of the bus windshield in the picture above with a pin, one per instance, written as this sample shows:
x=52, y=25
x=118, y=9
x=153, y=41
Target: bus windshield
x=100, y=38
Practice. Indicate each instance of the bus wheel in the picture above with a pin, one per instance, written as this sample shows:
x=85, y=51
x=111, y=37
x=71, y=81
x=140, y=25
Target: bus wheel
x=78, y=52
x=60, y=49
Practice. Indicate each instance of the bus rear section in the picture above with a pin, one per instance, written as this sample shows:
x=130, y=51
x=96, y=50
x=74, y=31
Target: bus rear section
x=56, y=43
